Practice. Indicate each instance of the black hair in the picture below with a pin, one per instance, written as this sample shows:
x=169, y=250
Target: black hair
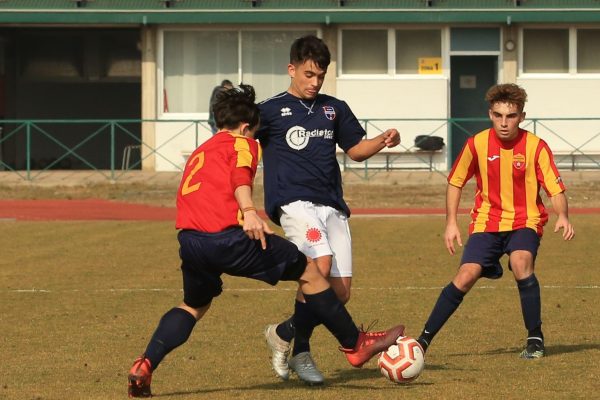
x=311, y=48
x=235, y=106
x=226, y=82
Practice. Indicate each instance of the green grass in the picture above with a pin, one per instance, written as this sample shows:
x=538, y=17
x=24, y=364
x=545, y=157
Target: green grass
x=79, y=301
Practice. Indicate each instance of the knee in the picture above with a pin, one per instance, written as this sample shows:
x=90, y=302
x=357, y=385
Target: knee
x=196, y=312
x=522, y=265
x=466, y=278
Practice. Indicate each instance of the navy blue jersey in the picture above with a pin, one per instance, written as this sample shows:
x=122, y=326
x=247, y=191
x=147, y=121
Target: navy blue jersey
x=299, y=140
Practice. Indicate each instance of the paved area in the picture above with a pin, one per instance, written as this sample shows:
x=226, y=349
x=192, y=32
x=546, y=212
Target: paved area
x=75, y=178
x=95, y=209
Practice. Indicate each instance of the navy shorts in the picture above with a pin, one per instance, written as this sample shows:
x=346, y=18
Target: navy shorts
x=205, y=256
x=486, y=249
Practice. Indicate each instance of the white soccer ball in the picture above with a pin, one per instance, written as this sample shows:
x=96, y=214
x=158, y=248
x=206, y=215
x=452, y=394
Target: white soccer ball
x=402, y=362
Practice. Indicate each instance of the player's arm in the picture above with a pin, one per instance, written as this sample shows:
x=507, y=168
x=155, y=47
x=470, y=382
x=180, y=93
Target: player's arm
x=368, y=147
x=561, y=207
x=453, y=194
x=254, y=226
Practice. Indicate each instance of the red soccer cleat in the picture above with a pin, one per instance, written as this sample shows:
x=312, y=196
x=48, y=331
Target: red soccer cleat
x=140, y=377
x=370, y=344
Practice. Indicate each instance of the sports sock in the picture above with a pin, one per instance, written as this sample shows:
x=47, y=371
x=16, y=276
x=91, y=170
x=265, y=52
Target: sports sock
x=286, y=330
x=448, y=301
x=173, y=330
x=529, y=292
x=305, y=322
x=332, y=313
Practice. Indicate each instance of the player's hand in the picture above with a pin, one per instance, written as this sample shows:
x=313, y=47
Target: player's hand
x=256, y=228
x=564, y=224
x=452, y=233
x=391, y=138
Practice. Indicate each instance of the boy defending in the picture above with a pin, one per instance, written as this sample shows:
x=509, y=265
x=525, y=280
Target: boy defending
x=220, y=232
x=510, y=165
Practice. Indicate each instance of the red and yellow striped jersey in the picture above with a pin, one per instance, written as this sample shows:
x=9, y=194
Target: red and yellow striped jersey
x=205, y=199
x=509, y=176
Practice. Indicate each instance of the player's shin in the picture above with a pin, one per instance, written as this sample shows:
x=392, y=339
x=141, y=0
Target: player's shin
x=173, y=330
x=305, y=322
x=529, y=293
x=331, y=312
x=448, y=301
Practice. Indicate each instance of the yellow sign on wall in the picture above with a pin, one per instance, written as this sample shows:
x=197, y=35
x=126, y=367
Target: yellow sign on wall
x=430, y=65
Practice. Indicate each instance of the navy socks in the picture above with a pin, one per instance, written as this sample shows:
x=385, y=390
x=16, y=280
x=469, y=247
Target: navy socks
x=448, y=301
x=173, y=330
x=328, y=309
x=529, y=292
x=286, y=330
x=305, y=322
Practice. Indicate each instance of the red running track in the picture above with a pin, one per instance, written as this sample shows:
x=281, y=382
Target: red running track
x=95, y=210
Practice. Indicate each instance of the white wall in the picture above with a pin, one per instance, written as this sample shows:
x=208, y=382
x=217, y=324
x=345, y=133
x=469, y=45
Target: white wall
x=398, y=99
x=569, y=97
x=175, y=140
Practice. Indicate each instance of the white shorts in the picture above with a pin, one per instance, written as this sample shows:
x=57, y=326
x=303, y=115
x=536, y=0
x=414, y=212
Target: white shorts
x=319, y=231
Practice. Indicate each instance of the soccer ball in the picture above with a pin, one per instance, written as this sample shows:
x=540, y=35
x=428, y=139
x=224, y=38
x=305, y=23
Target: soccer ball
x=402, y=362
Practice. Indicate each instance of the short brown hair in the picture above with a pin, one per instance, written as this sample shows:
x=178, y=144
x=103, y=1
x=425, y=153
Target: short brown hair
x=507, y=93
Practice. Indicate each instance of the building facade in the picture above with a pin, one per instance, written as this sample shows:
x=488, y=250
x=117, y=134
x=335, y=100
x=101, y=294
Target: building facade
x=416, y=65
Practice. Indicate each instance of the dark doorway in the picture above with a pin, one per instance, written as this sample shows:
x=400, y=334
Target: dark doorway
x=67, y=74
x=470, y=78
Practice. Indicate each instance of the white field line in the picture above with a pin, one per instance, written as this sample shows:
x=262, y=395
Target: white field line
x=400, y=288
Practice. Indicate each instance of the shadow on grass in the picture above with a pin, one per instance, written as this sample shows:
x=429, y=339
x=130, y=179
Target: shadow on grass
x=551, y=350
x=349, y=379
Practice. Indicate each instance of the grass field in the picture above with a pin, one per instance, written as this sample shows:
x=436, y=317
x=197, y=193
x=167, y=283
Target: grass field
x=79, y=301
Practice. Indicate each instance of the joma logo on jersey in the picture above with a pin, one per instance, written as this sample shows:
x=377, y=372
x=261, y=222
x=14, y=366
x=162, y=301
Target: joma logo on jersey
x=518, y=161
x=329, y=112
x=297, y=137
x=286, y=111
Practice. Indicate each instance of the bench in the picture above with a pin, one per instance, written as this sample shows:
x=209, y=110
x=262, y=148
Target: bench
x=577, y=159
x=416, y=159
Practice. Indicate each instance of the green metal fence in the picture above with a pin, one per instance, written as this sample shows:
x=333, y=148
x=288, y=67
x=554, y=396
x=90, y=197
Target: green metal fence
x=112, y=147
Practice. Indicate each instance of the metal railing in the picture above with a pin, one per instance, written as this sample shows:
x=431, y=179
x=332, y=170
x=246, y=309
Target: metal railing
x=113, y=147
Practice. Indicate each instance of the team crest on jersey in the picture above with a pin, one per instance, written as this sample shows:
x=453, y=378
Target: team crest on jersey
x=329, y=112
x=518, y=161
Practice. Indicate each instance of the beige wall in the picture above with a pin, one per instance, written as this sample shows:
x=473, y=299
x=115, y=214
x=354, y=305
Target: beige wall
x=397, y=100
x=149, y=98
x=564, y=98
x=330, y=38
x=509, y=57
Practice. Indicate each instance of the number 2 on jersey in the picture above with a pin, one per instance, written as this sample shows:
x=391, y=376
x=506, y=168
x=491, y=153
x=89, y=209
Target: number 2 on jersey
x=187, y=188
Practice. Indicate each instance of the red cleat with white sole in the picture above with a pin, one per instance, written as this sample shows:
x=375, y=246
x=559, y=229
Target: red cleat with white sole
x=371, y=343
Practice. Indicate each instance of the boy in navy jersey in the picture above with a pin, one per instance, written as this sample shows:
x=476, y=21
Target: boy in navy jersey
x=221, y=233
x=300, y=129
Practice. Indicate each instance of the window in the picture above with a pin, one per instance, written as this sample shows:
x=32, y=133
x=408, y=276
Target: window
x=367, y=51
x=364, y=52
x=194, y=62
x=265, y=56
x=411, y=45
x=545, y=50
x=588, y=51
x=549, y=51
